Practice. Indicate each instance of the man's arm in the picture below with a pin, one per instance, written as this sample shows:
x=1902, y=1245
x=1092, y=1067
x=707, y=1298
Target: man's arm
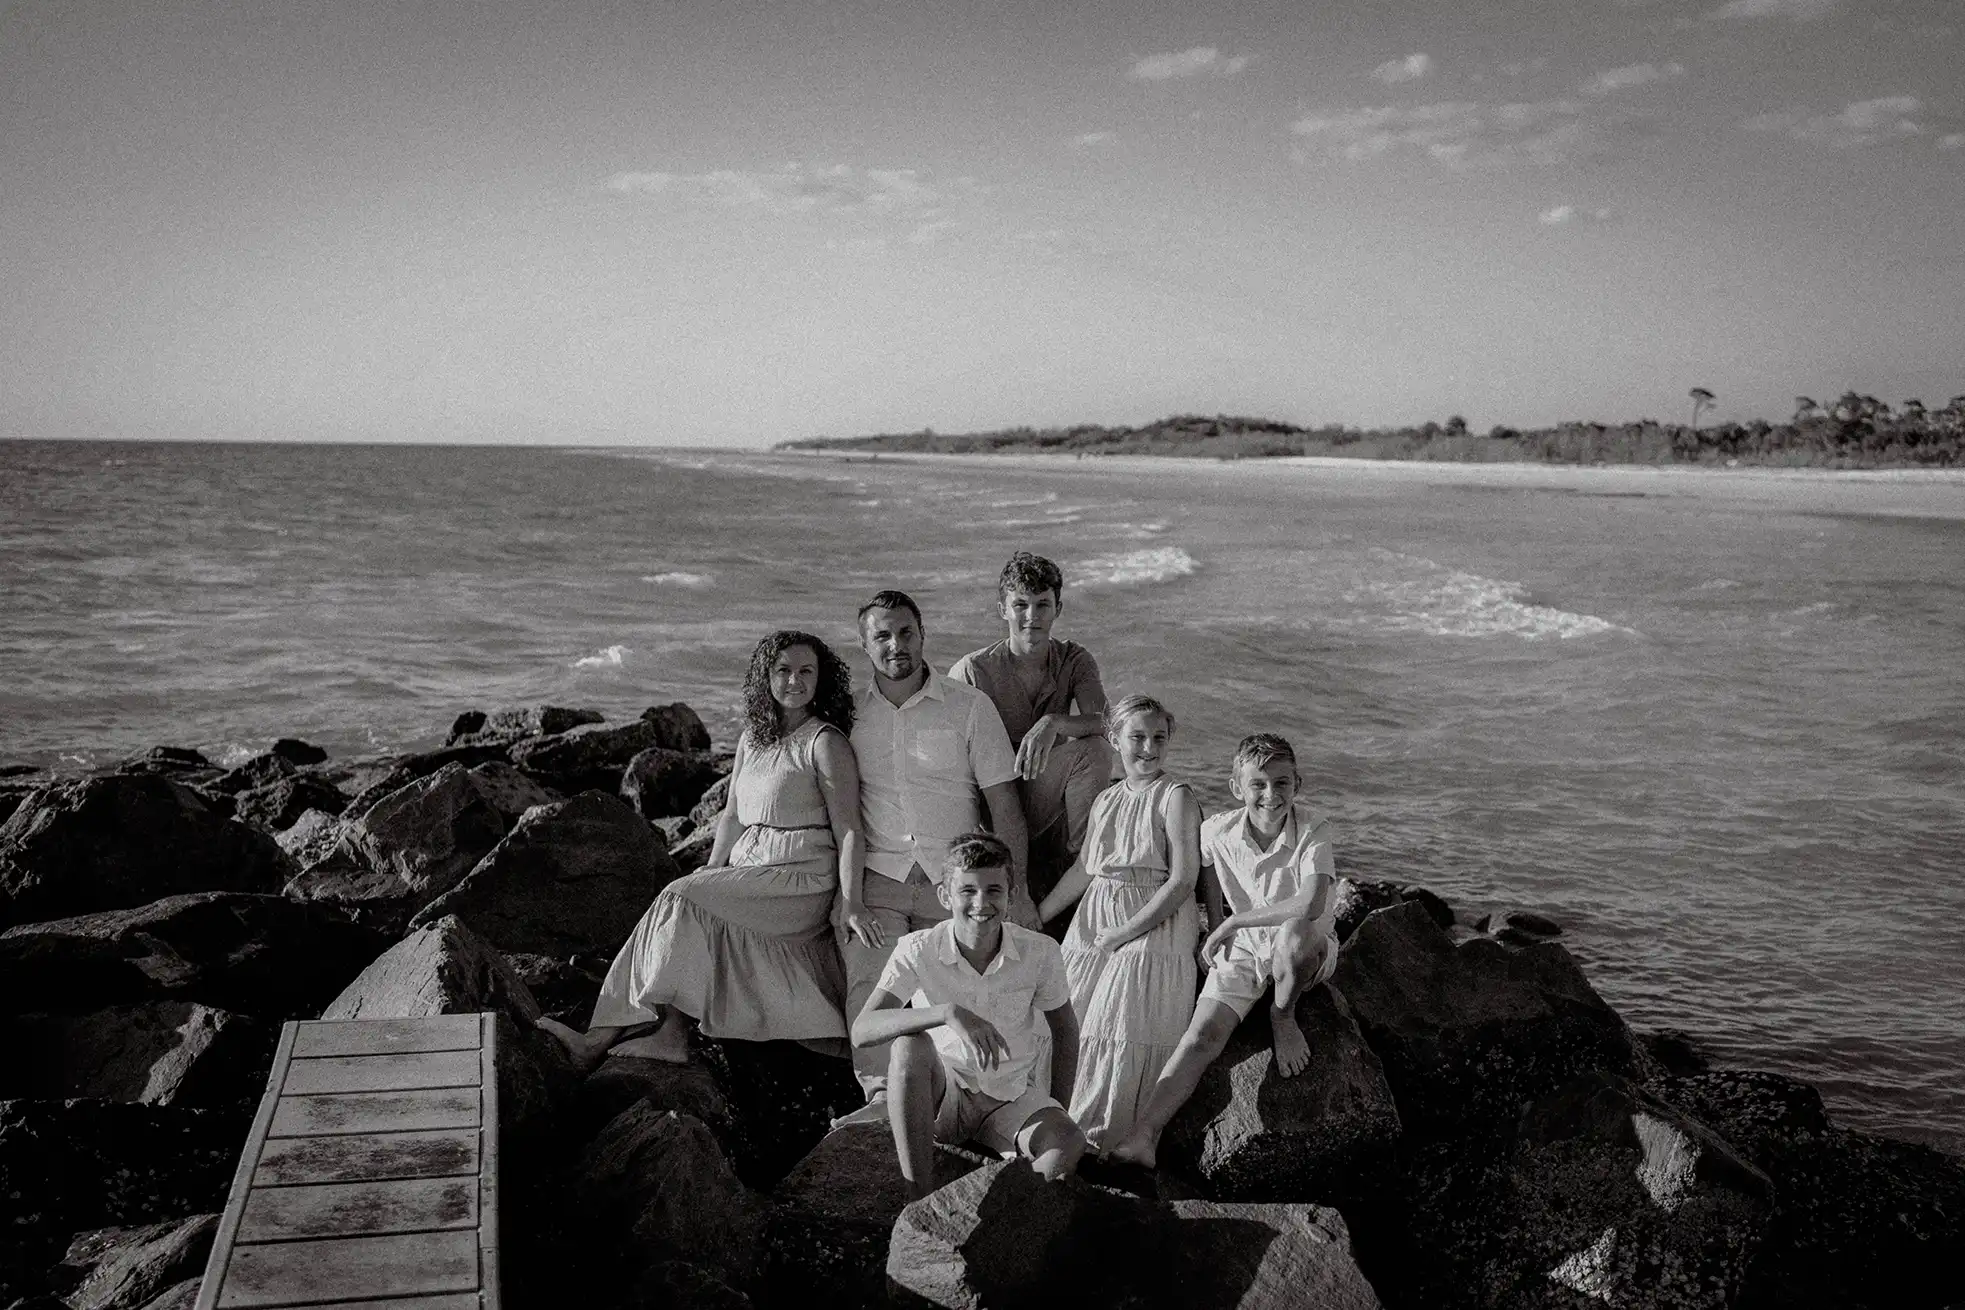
x=1006, y=821
x=1064, y=1052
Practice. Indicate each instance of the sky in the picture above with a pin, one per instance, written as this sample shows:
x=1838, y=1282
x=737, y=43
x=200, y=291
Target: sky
x=732, y=223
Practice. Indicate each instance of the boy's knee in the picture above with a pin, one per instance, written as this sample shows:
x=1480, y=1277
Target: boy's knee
x=1213, y=1026
x=1051, y=1129
x=911, y=1056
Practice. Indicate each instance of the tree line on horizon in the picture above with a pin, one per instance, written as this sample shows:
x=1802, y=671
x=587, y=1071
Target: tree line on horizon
x=1853, y=431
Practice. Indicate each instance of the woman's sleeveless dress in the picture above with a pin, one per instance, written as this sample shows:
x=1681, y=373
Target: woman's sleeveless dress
x=1134, y=1004
x=747, y=950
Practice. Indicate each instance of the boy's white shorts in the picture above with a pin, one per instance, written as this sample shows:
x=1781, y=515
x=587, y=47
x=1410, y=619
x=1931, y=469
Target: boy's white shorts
x=966, y=1116
x=1248, y=969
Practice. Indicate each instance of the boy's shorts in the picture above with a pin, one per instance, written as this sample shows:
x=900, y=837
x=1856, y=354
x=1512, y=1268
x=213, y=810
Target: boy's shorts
x=1248, y=969
x=967, y=1116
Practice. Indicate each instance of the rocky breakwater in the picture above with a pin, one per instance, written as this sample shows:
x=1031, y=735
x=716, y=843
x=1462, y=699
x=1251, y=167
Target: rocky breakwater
x=1477, y=1128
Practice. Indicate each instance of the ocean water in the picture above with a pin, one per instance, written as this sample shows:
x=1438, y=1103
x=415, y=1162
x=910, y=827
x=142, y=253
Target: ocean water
x=1719, y=737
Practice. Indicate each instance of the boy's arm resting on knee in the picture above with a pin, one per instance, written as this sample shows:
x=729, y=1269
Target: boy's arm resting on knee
x=886, y=1016
x=1309, y=904
x=1063, y=1022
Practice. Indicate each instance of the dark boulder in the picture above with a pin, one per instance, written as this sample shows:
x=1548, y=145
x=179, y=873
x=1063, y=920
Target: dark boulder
x=252, y=954
x=1470, y=1034
x=655, y=1184
x=783, y=1097
x=162, y=1053
x=445, y=968
x=1676, y=1051
x=510, y=725
x=672, y=829
x=403, y=770
x=1526, y=923
x=660, y=782
x=1250, y=1134
x=710, y=804
x=591, y=757
x=831, y=1217
x=310, y=838
x=128, y=1268
x=678, y=727
x=565, y=986
x=276, y=806
x=119, y=840
x=298, y=752
x=623, y=1081
x=68, y=1166
x=571, y=878
x=693, y=851
x=1002, y=1236
x=678, y=1285
x=510, y=791
x=259, y=771
x=1353, y=899
x=179, y=762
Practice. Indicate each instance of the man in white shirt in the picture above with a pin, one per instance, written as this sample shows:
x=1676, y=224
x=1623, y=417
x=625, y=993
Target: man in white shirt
x=968, y=1008
x=933, y=756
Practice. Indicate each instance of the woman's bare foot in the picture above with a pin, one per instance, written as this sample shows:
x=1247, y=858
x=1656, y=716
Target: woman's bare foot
x=1292, y=1051
x=669, y=1043
x=1134, y=1148
x=586, y=1050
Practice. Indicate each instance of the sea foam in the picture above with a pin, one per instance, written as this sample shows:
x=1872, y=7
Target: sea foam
x=608, y=658
x=1135, y=568
x=678, y=578
x=1444, y=602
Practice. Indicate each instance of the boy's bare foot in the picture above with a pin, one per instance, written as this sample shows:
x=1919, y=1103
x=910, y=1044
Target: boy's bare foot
x=1292, y=1051
x=1134, y=1149
x=586, y=1050
x=873, y=1112
x=669, y=1044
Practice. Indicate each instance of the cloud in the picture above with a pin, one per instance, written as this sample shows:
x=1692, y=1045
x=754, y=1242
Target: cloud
x=1631, y=75
x=1187, y=63
x=1800, y=11
x=1089, y=139
x=1562, y=214
x=1460, y=131
x=926, y=234
x=1410, y=69
x=793, y=189
x=1864, y=123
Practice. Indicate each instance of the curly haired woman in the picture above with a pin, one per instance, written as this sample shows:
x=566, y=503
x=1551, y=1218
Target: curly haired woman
x=744, y=947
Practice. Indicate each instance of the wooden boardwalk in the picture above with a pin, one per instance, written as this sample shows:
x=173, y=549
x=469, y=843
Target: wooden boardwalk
x=370, y=1180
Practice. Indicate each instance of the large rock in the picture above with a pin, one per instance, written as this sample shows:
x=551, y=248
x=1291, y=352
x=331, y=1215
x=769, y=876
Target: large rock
x=310, y=838
x=623, y=1081
x=510, y=791
x=298, y=752
x=831, y=1216
x=783, y=1096
x=107, y=842
x=249, y=953
x=1250, y=1134
x=591, y=757
x=127, y=1268
x=408, y=848
x=276, y=806
x=445, y=968
x=570, y=878
x=1470, y=1034
x=1001, y=1236
x=178, y=762
x=259, y=771
x=660, y=782
x=379, y=780
x=75, y=1165
x=680, y=727
x=566, y=987
x=475, y=727
x=710, y=804
x=656, y=1182
x=163, y=1053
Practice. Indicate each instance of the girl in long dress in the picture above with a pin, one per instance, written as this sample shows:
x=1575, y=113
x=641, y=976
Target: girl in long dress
x=1129, y=954
x=744, y=947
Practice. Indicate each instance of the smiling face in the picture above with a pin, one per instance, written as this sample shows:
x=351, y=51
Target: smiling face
x=892, y=640
x=1142, y=740
x=795, y=678
x=1030, y=615
x=1265, y=791
x=977, y=900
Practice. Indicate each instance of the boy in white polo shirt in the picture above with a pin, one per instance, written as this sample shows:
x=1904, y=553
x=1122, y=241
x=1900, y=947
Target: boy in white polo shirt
x=1271, y=863
x=964, y=1003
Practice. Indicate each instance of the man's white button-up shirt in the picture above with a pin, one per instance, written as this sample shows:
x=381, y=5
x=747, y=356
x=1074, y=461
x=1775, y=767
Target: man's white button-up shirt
x=922, y=767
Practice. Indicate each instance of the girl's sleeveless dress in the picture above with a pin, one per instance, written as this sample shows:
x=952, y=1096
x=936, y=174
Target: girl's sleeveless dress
x=747, y=950
x=1134, y=1004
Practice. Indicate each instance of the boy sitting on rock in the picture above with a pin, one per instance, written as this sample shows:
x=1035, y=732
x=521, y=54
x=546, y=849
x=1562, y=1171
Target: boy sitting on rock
x=1271, y=862
x=961, y=1002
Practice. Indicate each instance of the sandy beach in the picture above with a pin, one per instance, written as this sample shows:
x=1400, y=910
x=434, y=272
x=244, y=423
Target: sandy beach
x=1908, y=493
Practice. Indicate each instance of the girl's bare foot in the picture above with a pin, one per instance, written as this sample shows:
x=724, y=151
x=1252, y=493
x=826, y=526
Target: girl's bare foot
x=586, y=1050
x=669, y=1043
x=1292, y=1051
x=1134, y=1149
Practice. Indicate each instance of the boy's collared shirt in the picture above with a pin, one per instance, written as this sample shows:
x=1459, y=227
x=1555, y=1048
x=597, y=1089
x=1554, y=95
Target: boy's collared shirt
x=1070, y=673
x=1025, y=979
x=923, y=765
x=1253, y=875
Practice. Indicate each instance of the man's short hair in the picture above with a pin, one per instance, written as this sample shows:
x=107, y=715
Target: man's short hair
x=975, y=850
x=1262, y=749
x=889, y=600
x=1029, y=573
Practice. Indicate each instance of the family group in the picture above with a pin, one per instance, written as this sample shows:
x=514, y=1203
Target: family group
x=854, y=892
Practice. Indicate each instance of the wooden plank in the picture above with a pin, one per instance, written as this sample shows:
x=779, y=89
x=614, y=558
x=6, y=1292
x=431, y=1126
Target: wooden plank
x=409, y=1205
x=382, y=1073
x=287, y=1161
x=235, y=1203
x=438, y=1032
x=347, y=1268
x=364, y=1112
x=488, y=1269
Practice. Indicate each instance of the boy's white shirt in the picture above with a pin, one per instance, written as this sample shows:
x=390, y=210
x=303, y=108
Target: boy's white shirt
x=1254, y=878
x=1023, y=980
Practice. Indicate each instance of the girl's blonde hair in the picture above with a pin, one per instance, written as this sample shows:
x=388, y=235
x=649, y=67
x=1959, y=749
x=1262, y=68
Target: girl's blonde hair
x=1126, y=706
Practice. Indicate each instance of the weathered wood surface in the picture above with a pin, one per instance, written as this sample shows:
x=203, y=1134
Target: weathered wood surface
x=369, y=1180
